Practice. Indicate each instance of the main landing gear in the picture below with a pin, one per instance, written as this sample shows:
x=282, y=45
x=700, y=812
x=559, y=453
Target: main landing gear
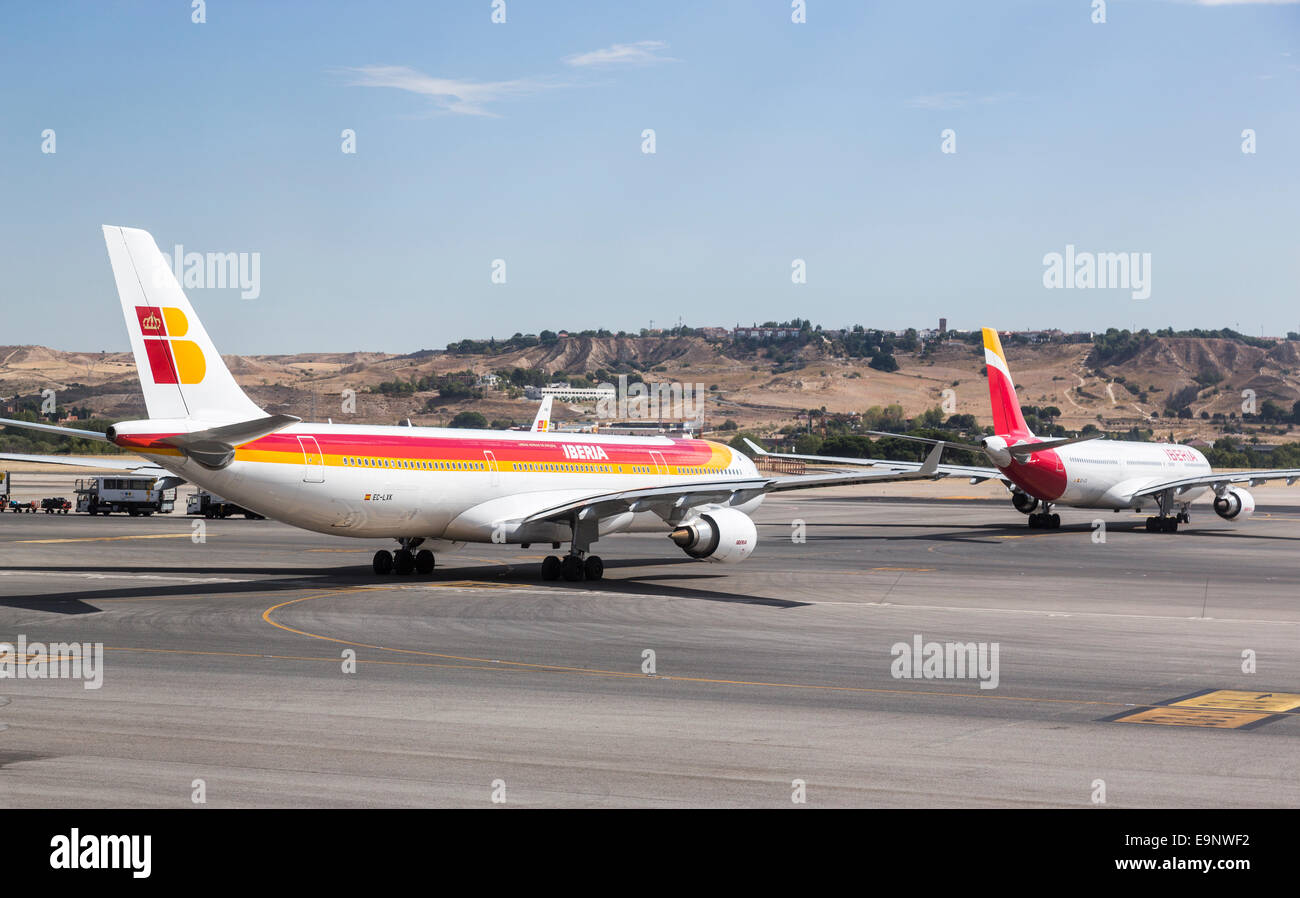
x=404, y=561
x=1167, y=521
x=573, y=567
x=1045, y=520
x=577, y=565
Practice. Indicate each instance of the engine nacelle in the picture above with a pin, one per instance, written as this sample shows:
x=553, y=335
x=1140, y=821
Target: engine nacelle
x=1024, y=503
x=1234, y=503
x=996, y=449
x=723, y=535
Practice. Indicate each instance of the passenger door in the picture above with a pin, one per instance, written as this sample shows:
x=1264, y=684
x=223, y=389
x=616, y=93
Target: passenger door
x=313, y=463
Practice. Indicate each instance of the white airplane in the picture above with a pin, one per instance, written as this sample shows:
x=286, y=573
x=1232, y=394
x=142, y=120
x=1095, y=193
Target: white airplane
x=542, y=420
x=417, y=485
x=1085, y=472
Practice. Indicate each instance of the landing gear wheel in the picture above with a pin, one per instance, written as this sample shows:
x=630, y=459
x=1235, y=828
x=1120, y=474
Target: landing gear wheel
x=571, y=568
x=383, y=562
x=1054, y=521
x=1169, y=525
x=1035, y=521
x=1151, y=525
x=551, y=568
x=593, y=567
x=424, y=562
x=404, y=561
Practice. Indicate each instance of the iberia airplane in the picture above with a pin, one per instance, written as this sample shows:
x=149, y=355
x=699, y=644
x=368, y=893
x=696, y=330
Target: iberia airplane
x=418, y=485
x=1085, y=471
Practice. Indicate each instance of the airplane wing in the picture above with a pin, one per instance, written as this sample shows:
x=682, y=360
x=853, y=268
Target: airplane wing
x=1220, y=480
x=109, y=462
x=976, y=474
x=673, y=502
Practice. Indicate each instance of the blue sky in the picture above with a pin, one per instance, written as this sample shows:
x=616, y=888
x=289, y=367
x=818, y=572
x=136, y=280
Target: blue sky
x=774, y=141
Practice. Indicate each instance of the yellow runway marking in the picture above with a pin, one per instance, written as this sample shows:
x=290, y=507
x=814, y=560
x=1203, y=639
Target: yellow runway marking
x=1195, y=717
x=98, y=539
x=1235, y=699
x=1227, y=709
x=115, y=648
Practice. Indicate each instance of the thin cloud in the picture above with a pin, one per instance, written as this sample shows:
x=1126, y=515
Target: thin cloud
x=450, y=94
x=1245, y=2
x=955, y=99
x=638, y=53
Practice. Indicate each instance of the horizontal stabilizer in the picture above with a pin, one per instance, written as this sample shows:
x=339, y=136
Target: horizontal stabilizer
x=215, y=447
x=1024, y=450
x=53, y=428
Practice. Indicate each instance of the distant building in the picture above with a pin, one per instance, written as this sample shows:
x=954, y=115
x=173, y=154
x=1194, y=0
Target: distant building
x=566, y=393
x=764, y=333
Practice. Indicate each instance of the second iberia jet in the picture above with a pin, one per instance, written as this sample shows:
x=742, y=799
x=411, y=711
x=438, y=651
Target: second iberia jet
x=1086, y=471
x=422, y=486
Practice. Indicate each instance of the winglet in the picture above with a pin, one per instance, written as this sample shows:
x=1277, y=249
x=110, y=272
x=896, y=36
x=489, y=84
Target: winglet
x=758, y=450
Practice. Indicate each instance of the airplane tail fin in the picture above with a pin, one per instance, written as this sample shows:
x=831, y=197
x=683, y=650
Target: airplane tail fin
x=181, y=372
x=542, y=421
x=1007, y=417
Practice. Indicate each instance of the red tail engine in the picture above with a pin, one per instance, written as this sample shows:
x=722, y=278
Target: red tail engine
x=723, y=535
x=1234, y=503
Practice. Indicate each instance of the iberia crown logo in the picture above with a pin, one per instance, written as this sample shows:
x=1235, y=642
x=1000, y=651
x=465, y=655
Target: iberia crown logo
x=171, y=360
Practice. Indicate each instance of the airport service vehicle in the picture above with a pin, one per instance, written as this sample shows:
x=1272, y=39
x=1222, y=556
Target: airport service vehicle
x=4, y=489
x=134, y=495
x=1087, y=471
x=22, y=507
x=57, y=505
x=421, y=486
x=210, y=506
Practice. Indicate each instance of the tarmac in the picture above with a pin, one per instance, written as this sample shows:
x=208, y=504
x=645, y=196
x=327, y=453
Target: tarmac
x=1153, y=670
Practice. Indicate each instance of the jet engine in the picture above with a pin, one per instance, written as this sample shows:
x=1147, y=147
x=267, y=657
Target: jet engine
x=723, y=535
x=1024, y=503
x=1234, y=503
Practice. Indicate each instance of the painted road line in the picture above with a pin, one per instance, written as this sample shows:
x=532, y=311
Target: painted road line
x=104, y=539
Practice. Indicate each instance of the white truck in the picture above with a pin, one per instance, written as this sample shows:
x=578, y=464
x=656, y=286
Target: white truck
x=133, y=495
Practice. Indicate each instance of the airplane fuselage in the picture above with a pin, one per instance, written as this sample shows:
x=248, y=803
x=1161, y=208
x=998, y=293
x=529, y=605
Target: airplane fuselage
x=1106, y=473
x=456, y=485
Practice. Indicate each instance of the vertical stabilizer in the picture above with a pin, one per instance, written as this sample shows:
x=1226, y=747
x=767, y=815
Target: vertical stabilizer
x=181, y=373
x=1007, y=417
